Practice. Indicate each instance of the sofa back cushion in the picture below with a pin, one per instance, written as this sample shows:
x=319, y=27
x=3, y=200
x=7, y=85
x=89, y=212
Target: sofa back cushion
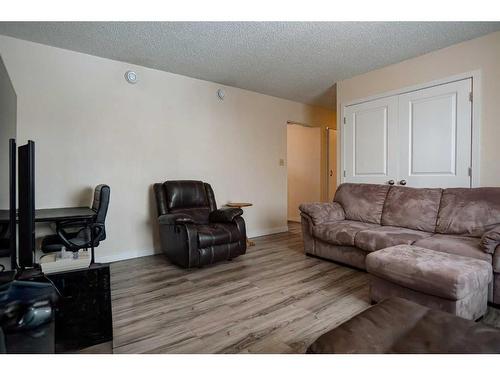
x=469, y=211
x=413, y=208
x=362, y=202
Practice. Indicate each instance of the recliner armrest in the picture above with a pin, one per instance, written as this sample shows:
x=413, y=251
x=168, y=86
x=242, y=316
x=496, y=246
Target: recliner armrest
x=225, y=215
x=321, y=213
x=172, y=219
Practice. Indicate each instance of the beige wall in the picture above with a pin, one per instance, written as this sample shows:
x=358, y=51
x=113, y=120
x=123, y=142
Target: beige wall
x=303, y=167
x=478, y=54
x=90, y=126
x=7, y=130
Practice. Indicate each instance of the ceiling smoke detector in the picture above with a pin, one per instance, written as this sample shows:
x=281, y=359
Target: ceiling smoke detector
x=131, y=76
x=221, y=94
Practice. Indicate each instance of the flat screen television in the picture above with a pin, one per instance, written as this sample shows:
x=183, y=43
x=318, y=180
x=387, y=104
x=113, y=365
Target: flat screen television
x=12, y=204
x=26, y=200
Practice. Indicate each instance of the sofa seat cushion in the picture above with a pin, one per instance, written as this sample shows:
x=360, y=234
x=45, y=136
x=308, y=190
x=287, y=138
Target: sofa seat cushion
x=362, y=202
x=342, y=232
x=386, y=236
x=458, y=245
x=413, y=208
x=217, y=234
x=431, y=272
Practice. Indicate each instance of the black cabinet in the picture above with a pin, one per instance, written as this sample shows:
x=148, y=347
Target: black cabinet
x=83, y=315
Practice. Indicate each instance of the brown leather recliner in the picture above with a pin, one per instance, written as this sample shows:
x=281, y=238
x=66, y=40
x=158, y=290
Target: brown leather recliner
x=193, y=232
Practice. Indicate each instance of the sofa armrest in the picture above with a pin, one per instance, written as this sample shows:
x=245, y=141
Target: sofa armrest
x=172, y=219
x=490, y=240
x=321, y=213
x=224, y=215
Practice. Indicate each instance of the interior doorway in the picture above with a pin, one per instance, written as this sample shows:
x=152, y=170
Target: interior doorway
x=331, y=135
x=303, y=166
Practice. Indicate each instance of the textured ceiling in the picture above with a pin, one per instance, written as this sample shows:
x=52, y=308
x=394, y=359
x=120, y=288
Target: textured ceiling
x=300, y=61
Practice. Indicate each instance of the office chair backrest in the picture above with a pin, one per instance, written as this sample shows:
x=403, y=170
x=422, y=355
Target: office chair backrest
x=195, y=198
x=100, y=204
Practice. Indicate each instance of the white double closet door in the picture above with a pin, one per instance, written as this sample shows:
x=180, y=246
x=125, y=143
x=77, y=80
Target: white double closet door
x=421, y=138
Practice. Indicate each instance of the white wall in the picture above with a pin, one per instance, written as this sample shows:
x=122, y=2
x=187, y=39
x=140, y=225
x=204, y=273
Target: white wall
x=90, y=126
x=7, y=131
x=481, y=54
x=303, y=167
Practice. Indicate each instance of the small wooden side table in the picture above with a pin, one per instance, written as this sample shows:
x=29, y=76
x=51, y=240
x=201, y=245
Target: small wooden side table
x=241, y=205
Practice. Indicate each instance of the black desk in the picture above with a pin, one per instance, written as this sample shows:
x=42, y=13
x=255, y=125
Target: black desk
x=54, y=215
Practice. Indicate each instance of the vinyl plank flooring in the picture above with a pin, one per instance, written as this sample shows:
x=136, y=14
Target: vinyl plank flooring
x=273, y=299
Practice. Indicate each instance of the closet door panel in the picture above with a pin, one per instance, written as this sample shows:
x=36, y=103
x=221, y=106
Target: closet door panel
x=435, y=136
x=370, y=153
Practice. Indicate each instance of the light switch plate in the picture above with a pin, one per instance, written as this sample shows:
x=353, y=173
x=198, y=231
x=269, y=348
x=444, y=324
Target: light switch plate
x=282, y=162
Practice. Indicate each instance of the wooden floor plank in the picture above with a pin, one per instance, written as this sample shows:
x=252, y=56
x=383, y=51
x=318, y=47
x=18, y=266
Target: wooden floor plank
x=273, y=299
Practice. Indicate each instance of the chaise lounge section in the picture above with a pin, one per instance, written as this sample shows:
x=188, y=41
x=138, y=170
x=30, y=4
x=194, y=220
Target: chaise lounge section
x=447, y=282
x=364, y=218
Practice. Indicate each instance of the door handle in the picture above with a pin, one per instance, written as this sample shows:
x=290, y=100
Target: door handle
x=390, y=182
x=402, y=182
x=331, y=173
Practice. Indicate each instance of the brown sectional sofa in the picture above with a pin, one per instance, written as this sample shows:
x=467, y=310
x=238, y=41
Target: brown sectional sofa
x=364, y=218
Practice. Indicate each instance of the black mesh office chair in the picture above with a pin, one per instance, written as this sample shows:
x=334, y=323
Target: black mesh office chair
x=81, y=235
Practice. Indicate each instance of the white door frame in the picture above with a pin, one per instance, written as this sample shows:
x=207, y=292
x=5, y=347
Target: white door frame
x=328, y=167
x=476, y=118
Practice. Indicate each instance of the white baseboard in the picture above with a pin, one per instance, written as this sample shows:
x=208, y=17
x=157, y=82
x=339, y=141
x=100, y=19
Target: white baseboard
x=125, y=255
x=143, y=253
x=266, y=232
